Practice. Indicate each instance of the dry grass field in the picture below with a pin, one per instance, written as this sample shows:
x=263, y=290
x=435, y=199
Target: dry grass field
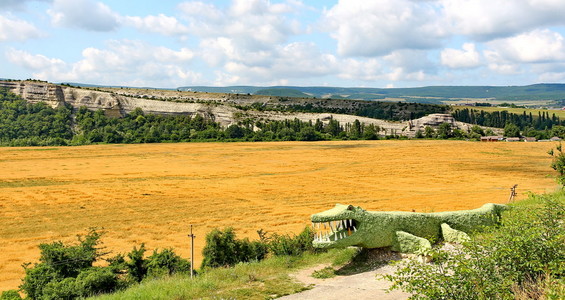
x=151, y=193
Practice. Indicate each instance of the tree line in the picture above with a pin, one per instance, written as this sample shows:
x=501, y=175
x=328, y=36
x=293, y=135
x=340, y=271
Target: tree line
x=541, y=126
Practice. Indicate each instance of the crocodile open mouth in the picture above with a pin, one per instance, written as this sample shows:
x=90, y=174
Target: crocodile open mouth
x=333, y=231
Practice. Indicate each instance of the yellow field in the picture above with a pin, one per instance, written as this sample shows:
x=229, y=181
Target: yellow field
x=151, y=193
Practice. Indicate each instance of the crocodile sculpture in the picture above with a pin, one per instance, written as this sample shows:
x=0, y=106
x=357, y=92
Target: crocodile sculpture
x=410, y=232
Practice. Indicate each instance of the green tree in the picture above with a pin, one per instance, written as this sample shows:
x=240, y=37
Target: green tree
x=558, y=163
x=429, y=132
x=444, y=131
x=511, y=130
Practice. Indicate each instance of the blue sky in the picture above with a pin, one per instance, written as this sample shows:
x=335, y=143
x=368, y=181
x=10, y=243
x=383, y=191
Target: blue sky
x=378, y=43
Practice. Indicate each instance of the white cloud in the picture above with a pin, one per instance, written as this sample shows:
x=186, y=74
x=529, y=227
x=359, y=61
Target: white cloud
x=33, y=62
x=250, y=25
x=461, y=59
x=83, y=14
x=16, y=5
x=375, y=28
x=401, y=65
x=161, y=24
x=13, y=29
x=283, y=64
x=490, y=19
x=366, y=69
x=536, y=46
x=122, y=62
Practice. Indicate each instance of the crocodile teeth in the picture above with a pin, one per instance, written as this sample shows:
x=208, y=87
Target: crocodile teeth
x=354, y=228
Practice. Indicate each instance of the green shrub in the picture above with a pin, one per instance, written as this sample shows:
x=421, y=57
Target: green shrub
x=10, y=295
x=67, y=271
x=327, y=272
x=528, y=247
x=292, y=245
x=224, y=249
x=166, y=262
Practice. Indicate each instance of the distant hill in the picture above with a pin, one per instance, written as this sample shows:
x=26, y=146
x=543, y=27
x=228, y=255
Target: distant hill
x=430, y=94
x=282, y=92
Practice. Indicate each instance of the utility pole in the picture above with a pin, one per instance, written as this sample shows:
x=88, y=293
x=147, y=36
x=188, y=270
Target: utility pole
x=512, y=193
x=191, y=236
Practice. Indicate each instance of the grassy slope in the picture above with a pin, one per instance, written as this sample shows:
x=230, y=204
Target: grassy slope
x=260, y=280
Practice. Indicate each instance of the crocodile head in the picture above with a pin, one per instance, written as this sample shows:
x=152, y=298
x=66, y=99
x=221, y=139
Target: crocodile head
x=339, y=227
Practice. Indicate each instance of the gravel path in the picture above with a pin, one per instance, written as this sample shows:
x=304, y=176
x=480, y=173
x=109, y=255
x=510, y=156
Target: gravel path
x=358, y=286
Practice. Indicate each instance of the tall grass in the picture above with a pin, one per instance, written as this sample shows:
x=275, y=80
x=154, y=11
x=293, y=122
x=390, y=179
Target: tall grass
x=266, y=279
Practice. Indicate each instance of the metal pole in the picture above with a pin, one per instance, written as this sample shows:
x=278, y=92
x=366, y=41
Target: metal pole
x=512, y=193
x=191, y=252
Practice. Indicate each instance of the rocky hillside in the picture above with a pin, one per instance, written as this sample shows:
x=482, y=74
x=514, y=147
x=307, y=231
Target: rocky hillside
x=226, y=109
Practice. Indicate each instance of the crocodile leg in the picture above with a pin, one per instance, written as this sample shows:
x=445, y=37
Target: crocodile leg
x=453, y=235
x=409, y=243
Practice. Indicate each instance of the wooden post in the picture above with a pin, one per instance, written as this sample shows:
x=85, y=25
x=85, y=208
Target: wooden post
x=512, y=193
x=192, y=236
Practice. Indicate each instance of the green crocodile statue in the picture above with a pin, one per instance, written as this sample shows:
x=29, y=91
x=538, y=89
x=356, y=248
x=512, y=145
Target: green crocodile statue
x=409, y=232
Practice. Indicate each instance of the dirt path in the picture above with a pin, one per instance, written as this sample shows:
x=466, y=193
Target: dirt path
x=363, y=285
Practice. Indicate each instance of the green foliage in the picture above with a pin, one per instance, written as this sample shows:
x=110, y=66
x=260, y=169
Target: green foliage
x=62, y=266
x=444, y=131
x=166, y=263
x=558, y=163
x=284, y=244
x=224, y=249
x=500, y=119
x=67, y=271
x=511, y=130
x=27, y=124
x=528, y=246
x=327, y=272
x=10, y=295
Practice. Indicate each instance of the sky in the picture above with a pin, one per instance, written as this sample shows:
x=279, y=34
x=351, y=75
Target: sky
x=346, y=43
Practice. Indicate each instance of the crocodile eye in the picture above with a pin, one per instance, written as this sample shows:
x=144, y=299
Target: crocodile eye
x=350, y=207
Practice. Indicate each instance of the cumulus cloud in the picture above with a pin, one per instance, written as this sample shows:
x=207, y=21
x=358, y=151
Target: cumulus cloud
x=17, y=4
x=293, y=61
x=491, y=19
x=33, y=62
x=251, y=25
x=468, y=57
x=83, y=14
x=536, y=46
x=122, y=62
x=14, y=29
x=161, y=24
x=375, y=28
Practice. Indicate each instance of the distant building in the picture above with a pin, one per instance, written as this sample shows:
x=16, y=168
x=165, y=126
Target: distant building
x=530, y=139
x=492, y=138
x=555, y=139
x=513, y=139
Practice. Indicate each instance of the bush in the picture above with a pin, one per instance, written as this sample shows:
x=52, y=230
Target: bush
x=224, y=249
x=10, y=295
x=292, y=245
x=529, y=246
x=166, y=262
x=67, y=271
